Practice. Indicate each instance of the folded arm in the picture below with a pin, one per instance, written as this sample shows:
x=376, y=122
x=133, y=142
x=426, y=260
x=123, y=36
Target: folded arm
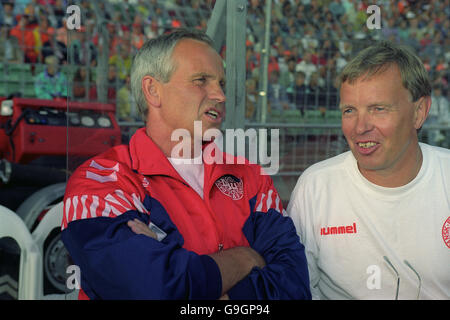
x=234, y=264
x=274, y=237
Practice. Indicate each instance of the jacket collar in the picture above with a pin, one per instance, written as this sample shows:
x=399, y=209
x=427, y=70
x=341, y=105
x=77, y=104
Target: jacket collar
x=148, y=159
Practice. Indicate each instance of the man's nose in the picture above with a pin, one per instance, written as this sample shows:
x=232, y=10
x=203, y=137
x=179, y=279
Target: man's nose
x=217, y=93
x=363, y=123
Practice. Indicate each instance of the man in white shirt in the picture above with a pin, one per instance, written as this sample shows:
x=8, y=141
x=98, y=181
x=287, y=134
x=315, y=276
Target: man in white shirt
x=306, y=66
x=375, y=221
x=439, y=114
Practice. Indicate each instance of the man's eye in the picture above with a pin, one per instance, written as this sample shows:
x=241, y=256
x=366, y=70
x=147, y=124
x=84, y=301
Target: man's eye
x=379, y=109
x=347, y=111
x=200, y=81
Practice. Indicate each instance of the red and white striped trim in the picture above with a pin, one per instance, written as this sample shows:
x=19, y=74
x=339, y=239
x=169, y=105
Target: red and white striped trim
x=269, y=200
x=91, y=206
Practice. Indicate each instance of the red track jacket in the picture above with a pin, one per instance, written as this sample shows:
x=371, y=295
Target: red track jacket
x=240, y=208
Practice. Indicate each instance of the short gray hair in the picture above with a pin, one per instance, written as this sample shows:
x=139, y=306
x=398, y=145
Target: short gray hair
x=382, y=55
x=155, y=59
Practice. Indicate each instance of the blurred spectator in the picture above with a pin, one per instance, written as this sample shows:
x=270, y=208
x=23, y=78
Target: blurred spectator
x=153, y=30
x=103, y=11
x=441, y=64
x=287, y=77
x=439, y=114
x=114, y=39
x=142, y=7
x=113, y=84
x=309, y=39
x=124, y=37
x=50, y=83
x=61, y=32
x=276, y=94
x=332, y=94
x=336, y=8
x=327, y=50
x=126, y=106
x=122, y=60
x=403, y=30
x=42, y=34
x=252, y=59
x=316, y=95
x=19, y=6
x=291, y=32
x=203, y=25
x=30, y=11
x=25, y=39
x=59, y=12
x=46, y=2
x=300, y=91
x=81, y=50
x=81, y=83
x=251, y=103
x=53, y=47
x=137, y=36
x=441, y=79
x=255, y=10
x=7, y=16
x=10, y=52
x=277, y=10
x=390, y=29
x=306, y=66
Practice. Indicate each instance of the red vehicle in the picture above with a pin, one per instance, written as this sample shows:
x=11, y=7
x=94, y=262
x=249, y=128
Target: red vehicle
x=41, y=142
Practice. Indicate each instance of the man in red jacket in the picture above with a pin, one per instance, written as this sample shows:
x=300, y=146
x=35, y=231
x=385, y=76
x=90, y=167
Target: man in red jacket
x=143, y=222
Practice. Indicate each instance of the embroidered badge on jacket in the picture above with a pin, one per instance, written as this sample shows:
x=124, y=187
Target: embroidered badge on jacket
x=231, y=187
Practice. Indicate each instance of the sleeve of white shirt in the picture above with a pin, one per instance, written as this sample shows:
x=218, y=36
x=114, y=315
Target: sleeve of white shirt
x=299, y=210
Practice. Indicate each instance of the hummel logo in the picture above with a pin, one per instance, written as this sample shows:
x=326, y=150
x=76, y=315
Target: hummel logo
x=338, y=230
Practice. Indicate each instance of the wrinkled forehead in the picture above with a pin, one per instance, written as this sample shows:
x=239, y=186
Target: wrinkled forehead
x=197, y=55
x=373, y=73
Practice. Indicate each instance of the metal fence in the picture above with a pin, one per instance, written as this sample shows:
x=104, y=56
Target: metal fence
x=304, y=143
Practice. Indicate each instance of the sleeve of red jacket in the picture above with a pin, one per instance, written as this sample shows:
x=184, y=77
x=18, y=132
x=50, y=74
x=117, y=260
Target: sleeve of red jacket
x=274, y=237
x=116, y=263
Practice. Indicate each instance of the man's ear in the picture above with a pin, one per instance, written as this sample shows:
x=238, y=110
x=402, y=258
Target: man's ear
x=150, y=88
x=422, y=108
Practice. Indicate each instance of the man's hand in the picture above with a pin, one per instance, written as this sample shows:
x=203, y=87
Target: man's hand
x=139, y=227
x=235, y=264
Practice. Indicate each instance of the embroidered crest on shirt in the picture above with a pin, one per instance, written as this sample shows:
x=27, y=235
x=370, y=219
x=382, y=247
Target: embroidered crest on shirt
x=446, y=232
x=231, y=187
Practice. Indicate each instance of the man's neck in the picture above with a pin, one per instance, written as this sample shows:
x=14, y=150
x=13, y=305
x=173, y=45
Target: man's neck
x=175, y=149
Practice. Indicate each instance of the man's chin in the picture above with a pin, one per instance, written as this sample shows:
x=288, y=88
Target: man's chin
x=367, y=162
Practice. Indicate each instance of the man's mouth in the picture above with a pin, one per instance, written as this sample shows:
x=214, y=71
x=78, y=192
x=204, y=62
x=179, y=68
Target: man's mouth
x=213, y=114
x=366, y=147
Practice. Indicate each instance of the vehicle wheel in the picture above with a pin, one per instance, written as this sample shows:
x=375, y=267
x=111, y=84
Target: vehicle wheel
x=56, y=261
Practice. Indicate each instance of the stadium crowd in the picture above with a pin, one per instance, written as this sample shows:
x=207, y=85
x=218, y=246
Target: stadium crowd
x=311, y=41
